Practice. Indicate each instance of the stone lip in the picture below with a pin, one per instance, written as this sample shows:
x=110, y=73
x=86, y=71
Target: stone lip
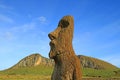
x=86, y=62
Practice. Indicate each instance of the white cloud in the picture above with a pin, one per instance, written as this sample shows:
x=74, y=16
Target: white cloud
x=5, y=7
x=14, y=32
x=24, y=28
x=42, y=19
x=6, y=36
x=4, y=18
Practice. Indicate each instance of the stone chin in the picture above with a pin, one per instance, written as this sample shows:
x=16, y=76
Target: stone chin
x=54, y=52
x=51, y=54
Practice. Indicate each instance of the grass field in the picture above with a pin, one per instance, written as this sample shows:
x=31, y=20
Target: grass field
x=44, y=73
x=37, y=70
x=27, y=73
x=24, y=77
x=40, y=77
x=87, y=72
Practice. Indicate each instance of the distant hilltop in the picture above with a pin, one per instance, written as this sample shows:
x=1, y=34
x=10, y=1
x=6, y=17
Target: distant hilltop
x=33, y=60
x=94, y=63
x=87, y=62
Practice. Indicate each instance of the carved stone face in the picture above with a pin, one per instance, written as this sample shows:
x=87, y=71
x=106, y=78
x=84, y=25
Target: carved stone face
x=61, y=37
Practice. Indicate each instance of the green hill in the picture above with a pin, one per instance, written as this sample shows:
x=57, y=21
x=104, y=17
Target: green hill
x=94, y=63
x=36, y=65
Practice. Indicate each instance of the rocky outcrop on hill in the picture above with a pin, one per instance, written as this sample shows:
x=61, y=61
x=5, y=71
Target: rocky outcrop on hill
x=34, y=60
x=89, y=62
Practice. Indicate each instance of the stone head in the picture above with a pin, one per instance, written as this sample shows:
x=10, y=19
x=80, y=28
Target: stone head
x=61, y=37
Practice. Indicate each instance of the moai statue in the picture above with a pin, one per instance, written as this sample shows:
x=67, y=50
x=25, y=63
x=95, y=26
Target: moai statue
x=67, y=65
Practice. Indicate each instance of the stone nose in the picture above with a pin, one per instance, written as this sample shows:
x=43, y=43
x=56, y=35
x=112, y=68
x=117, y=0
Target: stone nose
x=51, y=36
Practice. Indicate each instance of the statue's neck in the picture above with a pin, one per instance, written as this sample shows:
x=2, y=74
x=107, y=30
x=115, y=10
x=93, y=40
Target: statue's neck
x=63, y=56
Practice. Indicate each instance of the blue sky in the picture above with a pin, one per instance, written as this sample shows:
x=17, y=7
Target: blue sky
x=25, y=24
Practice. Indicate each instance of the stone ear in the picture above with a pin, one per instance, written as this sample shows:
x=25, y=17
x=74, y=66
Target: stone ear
x=64, y=23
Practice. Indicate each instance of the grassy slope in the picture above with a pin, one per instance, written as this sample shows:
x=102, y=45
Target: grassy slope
x=27, y=73
x=37, y=70
x=47, y=71
x=117, y=72
x=88, y=72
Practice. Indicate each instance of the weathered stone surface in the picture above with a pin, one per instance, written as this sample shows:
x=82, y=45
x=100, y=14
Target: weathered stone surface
x=67, y=65
x=33, y=60
x=88, y=62
x=94, y=63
